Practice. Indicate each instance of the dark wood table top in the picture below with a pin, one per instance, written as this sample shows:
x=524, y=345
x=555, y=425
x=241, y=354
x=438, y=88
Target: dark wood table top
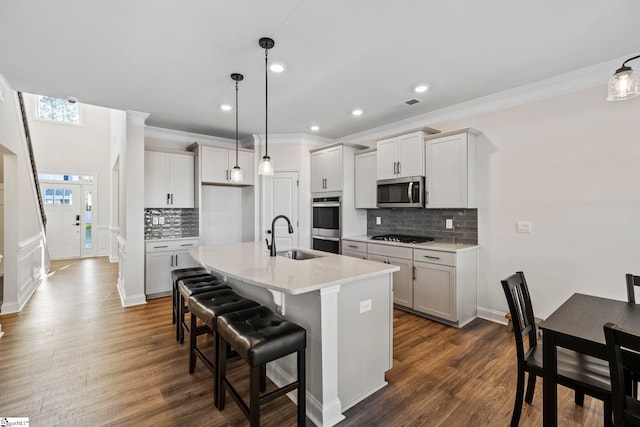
x=582, y=317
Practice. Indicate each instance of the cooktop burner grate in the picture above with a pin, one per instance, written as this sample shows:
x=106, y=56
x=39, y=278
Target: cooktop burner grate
x=402, y=238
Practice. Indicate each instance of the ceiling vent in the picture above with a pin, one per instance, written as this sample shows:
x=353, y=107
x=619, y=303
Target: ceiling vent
x=412, y=101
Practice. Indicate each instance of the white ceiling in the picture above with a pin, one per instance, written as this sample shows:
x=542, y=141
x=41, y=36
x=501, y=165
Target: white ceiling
x=172, y=58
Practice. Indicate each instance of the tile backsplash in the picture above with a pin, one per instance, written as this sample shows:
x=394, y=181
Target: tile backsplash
x=177, y=223
x=426, y=222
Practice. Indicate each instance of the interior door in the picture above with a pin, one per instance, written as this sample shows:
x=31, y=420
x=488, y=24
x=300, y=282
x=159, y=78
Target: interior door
x=281, y=197
x=63, y=207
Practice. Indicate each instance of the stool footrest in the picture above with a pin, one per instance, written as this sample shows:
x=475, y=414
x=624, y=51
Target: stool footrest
x=268, y=397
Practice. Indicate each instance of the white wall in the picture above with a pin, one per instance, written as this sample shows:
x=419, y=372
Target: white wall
x=24, y=260
x=84, y=149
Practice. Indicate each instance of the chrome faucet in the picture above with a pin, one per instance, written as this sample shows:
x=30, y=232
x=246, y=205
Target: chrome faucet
x=272, y=246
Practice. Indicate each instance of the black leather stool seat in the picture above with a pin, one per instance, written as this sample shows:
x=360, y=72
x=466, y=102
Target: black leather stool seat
x=260, y=336
x=189, y=287
x=179, y=274
x=209, y=305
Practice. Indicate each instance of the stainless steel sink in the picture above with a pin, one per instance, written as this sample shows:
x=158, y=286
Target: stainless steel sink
x=298, y=255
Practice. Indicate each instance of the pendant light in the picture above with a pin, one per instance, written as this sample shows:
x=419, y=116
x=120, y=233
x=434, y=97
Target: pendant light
x=625, y=83
x=266, y=167
x=236, y=172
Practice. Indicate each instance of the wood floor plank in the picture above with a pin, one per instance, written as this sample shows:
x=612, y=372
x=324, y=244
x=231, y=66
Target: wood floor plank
x=75, y=356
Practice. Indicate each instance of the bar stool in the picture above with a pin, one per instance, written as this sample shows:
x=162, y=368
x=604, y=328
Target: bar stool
x=207, y=307
x=189, y=287
x=179, y=274
x=260, y=336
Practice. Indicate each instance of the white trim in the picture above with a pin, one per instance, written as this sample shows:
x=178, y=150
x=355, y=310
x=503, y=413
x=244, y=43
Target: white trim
x=558, y=85
x=180, y=136
x=5, y=89
x=29, y=241
x=492, y=315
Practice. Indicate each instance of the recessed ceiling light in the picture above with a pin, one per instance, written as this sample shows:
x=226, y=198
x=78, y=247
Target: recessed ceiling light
x=276, y=67
x=357, y=112
x=421, y=88
x=315, y=128
x=226, y=107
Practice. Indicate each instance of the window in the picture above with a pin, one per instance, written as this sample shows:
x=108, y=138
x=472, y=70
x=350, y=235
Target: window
x=61, y=177
x=58, y=110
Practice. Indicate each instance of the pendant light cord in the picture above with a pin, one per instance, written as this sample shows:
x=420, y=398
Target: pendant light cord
x=266, y=104
x=236, y=123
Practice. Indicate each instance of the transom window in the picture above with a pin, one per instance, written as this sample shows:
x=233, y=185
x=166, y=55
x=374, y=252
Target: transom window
x=58, y=110
x=63, y=177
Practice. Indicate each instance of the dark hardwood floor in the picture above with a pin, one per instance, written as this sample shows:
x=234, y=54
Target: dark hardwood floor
x=74, y=356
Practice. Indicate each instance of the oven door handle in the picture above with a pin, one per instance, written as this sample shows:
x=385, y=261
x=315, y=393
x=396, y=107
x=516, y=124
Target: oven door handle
x=326, y=205
x=410, y=192
x=333, y=239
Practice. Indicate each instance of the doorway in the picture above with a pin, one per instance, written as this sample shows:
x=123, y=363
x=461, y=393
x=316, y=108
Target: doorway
x=69, y=205
x=281, y=198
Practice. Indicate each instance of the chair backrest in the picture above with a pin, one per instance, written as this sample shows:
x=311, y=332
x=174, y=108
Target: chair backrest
x=631, y=282
x=517, y=293
x=623, y=351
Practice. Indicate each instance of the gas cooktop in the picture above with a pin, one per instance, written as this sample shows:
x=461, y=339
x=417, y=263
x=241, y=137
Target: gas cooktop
x=402, y=238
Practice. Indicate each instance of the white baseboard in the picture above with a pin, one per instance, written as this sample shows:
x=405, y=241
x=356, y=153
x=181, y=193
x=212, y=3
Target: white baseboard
x=492, y=315
x=8, y=308
x=129, y=301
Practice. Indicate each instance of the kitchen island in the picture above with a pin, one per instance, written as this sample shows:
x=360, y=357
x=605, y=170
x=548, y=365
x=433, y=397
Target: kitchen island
x=345, y=304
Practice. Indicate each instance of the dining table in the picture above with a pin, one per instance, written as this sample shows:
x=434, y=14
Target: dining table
x=578, y=325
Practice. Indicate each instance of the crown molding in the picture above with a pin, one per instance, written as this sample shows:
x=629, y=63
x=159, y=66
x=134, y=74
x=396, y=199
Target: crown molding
x=292, y=138
x=573, y=81
x=182, y=136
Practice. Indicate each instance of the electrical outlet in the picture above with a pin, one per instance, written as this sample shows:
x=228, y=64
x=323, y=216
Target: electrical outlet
x=161, y=220
x=449, y=223
x=378, y=220
x=154, y=220
x=524, y=226
x=365, y=306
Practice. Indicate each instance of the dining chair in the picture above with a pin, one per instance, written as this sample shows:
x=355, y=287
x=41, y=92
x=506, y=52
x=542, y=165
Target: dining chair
x=623, y=349
x=583, y=374
x=631, y=282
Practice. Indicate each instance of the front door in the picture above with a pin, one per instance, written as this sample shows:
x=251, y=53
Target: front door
x=281, y=197
x=63, y=207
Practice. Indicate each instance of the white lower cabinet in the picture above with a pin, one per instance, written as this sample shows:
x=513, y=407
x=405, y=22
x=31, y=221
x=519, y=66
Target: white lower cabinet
x=434, y=290
x=403, y=279
x=162, y=257
x=354, y=249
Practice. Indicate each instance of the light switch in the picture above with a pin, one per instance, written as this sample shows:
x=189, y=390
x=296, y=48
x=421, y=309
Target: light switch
x=365, y=306
x=378, y=220
x=524, y=226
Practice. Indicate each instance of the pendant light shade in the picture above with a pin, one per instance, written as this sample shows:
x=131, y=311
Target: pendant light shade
x=236, y=172
x=625, y=83
x=266, y=167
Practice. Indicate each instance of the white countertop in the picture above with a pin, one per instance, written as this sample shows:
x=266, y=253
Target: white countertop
x=435, y=245
x=250, y=262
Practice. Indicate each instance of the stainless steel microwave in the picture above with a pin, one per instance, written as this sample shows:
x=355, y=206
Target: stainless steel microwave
x=401, y=192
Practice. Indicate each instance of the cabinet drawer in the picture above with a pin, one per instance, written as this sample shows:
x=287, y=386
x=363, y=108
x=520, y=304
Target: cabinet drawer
x=171, y=245
x=352, y=245
x=387, y=250
x=435, y=257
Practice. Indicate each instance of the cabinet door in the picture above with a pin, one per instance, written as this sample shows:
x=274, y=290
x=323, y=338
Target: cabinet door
x=318, y=171
x=215, y=165
x=447, y=172
x=365, y=181
x=411, y=155
x=182, y=259
x=402, y=280
x=387, y=157
x=158, y=272
x=434, y=290
x=354, y=254
x=333, y=169
x=182, y=180
x=156, y=180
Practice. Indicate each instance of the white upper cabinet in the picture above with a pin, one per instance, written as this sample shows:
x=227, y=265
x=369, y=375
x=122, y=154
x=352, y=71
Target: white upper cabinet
x=216, y=164
x=451, y=160
x=168, y=180
x=365, y=180
x=326, y=170
x=401, y=156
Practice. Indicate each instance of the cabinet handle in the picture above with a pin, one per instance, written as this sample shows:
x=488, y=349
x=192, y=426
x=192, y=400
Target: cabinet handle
x=171, y=198
x=227, y=173
x=159, y=247
x=168, y=198
x=398, y=168
x=176, y=260
x=394, y=168
x=171, y=260
x=414, y=273
x=432, y=257
x=187, y=244
x=364, y=257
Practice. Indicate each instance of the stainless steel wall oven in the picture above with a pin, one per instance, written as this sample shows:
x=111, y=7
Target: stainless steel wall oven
x=326, y=227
